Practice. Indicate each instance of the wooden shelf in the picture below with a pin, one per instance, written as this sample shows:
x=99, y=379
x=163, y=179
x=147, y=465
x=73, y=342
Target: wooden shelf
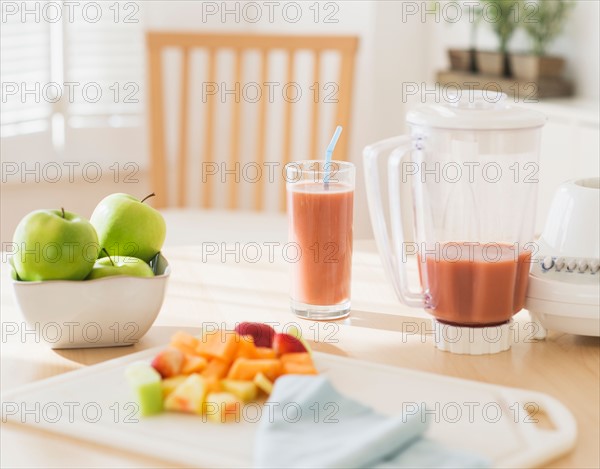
x=525, y=91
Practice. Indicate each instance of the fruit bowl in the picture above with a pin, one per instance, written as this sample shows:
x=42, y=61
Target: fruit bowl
x=105, y=312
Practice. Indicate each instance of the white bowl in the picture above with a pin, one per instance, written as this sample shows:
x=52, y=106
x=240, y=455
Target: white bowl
x=105, y=312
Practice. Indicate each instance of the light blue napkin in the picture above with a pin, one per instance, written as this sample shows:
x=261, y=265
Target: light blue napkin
x=309, y=424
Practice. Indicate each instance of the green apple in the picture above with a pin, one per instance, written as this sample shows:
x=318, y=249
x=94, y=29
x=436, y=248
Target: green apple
x=120, y=265
x=127, y=226
x=54, y=245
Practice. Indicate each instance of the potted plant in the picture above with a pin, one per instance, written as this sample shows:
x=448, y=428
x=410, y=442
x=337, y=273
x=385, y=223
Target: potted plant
x=502, y=15
x=542, y=24
x=466, y=59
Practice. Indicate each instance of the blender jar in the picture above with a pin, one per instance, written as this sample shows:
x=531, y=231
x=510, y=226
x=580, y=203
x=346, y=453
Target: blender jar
x=472, y=162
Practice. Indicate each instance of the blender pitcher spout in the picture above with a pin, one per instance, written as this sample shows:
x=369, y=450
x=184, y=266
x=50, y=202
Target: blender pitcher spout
x=391, y=249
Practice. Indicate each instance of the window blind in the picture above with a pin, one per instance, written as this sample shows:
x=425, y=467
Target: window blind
x=86, y=69
x=25, y=104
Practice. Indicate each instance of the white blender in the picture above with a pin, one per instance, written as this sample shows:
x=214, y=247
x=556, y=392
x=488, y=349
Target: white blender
x=564, y=283
x=472, y=162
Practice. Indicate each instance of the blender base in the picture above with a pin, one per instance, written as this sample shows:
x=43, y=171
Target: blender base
x=473, y=340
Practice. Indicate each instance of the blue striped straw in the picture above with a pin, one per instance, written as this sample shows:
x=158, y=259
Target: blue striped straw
x=329, y=153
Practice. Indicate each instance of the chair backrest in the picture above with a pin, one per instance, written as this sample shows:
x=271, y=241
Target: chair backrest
x=239, y=44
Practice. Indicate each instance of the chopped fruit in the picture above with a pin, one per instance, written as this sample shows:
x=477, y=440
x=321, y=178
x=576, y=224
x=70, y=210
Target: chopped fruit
x=262, y=333
x=285, y=343
x=216, y=369
x=221, y=407
x=244, y=390
x=292, y=368
x=299, y=358
x=144, y=380
x=184, y=342
x=217, y=375
x=212, y=384
x=168, y=385
x=246, y=347
x=245, y=369
x=297, y=333
x=188, y=396
x=297, y=364
x=220, y=344
x=168, y=362
x=264, y=352
x=263, y=383
x=193, y=364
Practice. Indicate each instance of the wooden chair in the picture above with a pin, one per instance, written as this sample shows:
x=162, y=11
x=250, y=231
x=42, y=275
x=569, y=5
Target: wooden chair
x=158, y=42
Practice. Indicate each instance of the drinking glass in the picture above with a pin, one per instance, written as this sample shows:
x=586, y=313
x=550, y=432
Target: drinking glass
x=320, y=199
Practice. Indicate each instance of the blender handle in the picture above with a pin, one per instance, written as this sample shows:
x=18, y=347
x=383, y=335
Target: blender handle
x=410, y=298
x=390, y=253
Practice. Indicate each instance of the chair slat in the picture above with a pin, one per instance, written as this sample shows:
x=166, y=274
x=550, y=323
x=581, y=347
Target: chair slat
x=261, y=132
x=343, y=106
x=235, y=136
x=158, y=174
x=314, y=129
x=208, y=179
x=287, y=127
x=183, y=128
x=253, y=41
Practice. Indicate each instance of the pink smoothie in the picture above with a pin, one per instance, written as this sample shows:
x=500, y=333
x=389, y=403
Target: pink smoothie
x=320, y=222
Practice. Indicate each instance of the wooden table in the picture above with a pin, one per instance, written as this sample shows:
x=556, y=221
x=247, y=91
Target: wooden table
x=564, y=366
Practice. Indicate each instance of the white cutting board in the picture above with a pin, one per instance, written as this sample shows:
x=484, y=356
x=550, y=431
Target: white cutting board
x=95, y=404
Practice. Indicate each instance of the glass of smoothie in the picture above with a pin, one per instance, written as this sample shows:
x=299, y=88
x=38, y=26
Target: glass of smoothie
x=320, y=199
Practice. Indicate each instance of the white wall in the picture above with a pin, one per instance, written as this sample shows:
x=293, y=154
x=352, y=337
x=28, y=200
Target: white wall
x=394, y=49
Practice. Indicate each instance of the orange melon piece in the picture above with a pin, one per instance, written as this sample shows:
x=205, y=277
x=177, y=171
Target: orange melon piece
x=221, y=344
x=184, y=342
x=246, y=369
x=216, y=369
x=292, y=368
x=302, y=358
x=213, y=384
x=193, y=364
x=264, y=352
x=246, y=347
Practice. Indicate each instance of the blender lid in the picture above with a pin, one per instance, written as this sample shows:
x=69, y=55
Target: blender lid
x=475, y=110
